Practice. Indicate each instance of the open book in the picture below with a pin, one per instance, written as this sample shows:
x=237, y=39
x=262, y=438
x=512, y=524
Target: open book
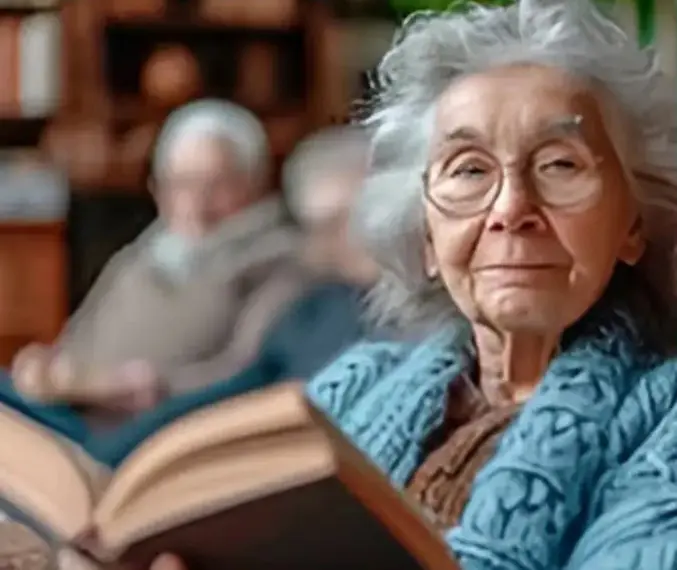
x=257, y=481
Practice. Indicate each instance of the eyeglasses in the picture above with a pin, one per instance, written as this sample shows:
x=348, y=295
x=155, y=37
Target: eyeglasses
x=471, y=186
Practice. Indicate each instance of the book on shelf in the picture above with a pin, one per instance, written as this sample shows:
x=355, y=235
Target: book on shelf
x=257, y=481
x=30, y=4
x=30, y=52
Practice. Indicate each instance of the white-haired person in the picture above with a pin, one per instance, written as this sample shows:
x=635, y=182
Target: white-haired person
x=320, y=181
x=522, y=200
x=187, y=302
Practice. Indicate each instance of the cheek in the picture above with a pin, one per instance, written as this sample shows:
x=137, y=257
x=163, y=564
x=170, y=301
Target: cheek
x=453, y=241
x=593, y=240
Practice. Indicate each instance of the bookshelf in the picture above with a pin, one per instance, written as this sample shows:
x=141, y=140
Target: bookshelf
x=26, y=7
x=29, y=66
x=33, y=253
x=271, y=56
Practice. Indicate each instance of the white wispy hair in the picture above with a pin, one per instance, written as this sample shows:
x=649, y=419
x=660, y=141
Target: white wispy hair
x=429, y=52
x=222, y=120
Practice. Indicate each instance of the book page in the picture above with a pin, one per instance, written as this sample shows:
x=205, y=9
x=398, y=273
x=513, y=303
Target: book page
x=274, y=410
x=44, y=476
x=215, y=480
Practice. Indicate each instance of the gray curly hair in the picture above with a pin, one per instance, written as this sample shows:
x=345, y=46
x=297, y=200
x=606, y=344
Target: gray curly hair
x=429, y=52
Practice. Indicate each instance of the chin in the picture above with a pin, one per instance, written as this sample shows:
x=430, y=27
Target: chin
x=530, y=312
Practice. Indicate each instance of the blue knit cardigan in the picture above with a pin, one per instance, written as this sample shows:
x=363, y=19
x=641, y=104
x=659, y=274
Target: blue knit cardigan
x=584, y=479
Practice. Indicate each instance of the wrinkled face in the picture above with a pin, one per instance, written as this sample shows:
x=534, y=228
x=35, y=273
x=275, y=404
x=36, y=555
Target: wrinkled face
x=527, y=206
x=202, y=184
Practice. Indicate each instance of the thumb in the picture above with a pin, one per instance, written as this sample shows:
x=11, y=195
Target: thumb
x=68, y=559
x=167, y=562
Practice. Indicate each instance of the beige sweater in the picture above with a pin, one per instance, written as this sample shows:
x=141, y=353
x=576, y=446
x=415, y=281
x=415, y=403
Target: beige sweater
x=198, y=332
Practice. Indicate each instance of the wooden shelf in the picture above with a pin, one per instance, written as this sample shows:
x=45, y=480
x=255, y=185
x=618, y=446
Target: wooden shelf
x=21, y=131
x=33, y=284
x=19, y=8
x=194, y=25
x=106, y=51
x=133, y=109
x=30, y=227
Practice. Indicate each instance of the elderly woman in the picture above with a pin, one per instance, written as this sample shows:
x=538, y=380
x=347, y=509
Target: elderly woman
x=521, y=201
x=188, y=301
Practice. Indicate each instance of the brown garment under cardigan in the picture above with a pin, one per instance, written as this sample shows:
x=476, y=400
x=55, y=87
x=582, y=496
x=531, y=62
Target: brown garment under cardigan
x=469, y=436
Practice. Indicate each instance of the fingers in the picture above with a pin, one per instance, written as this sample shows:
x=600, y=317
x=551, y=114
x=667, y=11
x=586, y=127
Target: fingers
x=62, y=373
x=26, y=355
x=42, y=374
x=132, y=387
x=30, y=371
x=70, y=560
x=168, y=562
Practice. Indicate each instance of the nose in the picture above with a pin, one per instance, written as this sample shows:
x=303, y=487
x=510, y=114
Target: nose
x=514, y=209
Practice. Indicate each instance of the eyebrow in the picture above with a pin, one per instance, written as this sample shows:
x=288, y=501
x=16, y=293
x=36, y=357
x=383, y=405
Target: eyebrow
x=566, y=126
x=570, y=125
x=464, y=134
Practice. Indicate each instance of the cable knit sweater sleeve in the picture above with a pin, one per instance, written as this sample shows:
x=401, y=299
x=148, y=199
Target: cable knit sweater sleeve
x=584, y=479
x=531, y=505
x=338, y=388
x=633, y=517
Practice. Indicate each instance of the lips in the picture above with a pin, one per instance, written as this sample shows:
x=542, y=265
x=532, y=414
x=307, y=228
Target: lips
x=520, y=267
x=522, y=275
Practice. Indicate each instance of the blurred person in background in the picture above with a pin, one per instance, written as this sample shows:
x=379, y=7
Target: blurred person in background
x=188, y=301
x=320, y=180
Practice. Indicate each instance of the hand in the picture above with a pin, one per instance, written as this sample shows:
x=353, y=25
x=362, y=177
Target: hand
x=30, y=370
x=42, y=373
x=168, y=562
x=133, y=386
x=70, y=560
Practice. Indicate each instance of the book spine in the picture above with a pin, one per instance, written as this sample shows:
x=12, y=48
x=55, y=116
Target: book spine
x=9, y=65
x=40, y=64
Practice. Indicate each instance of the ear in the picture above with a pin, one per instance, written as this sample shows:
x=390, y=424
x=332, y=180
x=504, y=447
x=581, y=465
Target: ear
x=430, y=266
x=633, y=247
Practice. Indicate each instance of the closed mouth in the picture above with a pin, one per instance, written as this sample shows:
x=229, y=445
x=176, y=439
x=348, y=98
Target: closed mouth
x=520, y=267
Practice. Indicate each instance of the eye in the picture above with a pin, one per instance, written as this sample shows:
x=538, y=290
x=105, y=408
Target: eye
x=470, y=171
x=559, y=165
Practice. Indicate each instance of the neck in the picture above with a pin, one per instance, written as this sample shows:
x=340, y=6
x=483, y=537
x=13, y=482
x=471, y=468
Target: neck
x=512, y=364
